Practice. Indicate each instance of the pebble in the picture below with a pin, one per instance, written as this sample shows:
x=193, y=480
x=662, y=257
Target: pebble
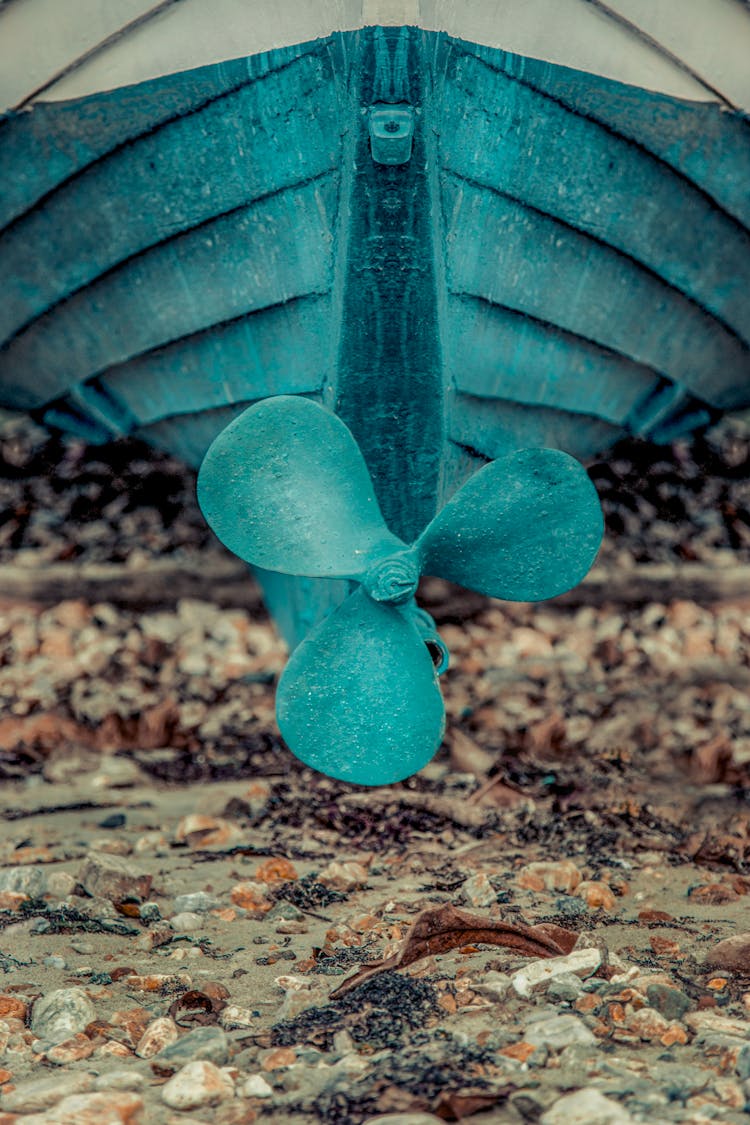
x=492, y=984
x=127, y=1079
x=196, y=902
x=671, y=1002
x=111, y=1108
x=205, y=1044
x=550, y=875
x=75, y=1049
x=233, y=1017
x=149, y=912
x=538, y=974
x=565, y=989
x=187, y=921
x=29, y=881
x=160, y=1033
x=478, y=891
x=60, y=884
x=557, y=1032
x=345, y=876
x=586, y=1107
x=197, y=1084
x=199, y=831
x=41, y=1093
x=113, y=878
x=61, y=1014
x=250, y=896
x=256, y=1087
x=596, y=895
x=732, y=955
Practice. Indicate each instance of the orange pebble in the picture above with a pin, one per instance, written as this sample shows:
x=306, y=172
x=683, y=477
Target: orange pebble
x=12, y=1007
x=276, y=870
x=278, y=1059
x=521, y=1050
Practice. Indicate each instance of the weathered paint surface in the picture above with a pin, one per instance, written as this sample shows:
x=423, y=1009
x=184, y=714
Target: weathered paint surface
x=552, y=259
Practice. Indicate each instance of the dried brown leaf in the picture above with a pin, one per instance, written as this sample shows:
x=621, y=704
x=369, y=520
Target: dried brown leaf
x=445, y=927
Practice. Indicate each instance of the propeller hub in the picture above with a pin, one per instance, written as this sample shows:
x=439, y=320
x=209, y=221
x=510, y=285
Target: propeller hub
x=393, y=580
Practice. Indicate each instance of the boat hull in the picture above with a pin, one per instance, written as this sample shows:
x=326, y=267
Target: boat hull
x=554, y=259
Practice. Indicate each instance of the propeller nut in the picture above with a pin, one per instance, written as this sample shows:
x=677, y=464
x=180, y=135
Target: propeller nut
x=392, y=580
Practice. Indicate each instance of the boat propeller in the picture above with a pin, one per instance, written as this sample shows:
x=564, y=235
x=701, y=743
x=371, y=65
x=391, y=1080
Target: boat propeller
x=286, y=488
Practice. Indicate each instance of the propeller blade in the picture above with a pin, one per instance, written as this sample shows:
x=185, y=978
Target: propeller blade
x=358, y=699
x=525, y=527
x=286, y=488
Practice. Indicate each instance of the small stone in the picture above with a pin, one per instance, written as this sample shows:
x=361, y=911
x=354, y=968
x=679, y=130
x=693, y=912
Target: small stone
x=586, y=1107
x=713, y=894
x=114, y=1107
x=478, y=891
x=133, y=1022
x=61, y=1014
x=673, y=1034
x=70, y=1050
x=197, y=1084
x=566, y=988
x=672, y=1003
x=197, y=902
x=119, y=773
x=596, y=894
x=199, y=831
x=187, y=921
x=345, y=876
x=711, y=1021
x=250, y=896
x=276, y=870
x=112, y=1047
x=285, y=911
x=149, y=912
x=30, y=881
x=12, y=901
x=520, y=1051
x=205, y=1044
x=40, y=1093
x=233, y=1017
x=256, y=1087
x=155, y=982
x=550, y=875
x=559, y=1032
x=731, y=955
x=160, y=1033
x=646, y=1022
x=55, y=962
x=113, y=878
x=79, y=945
x=60, y=884
x=12, y=1007
x=493, y=985
x=742, y=1063
x=278, y=1058
x=538, y=974
x=128, y=1079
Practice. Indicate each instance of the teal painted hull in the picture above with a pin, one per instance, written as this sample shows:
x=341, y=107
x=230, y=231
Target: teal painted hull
x=562, y=259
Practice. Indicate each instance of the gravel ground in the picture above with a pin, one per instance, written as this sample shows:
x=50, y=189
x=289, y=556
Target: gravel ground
x=555, y=908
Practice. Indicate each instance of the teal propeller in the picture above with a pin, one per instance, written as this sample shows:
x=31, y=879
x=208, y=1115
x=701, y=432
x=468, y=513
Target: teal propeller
x=286, y=488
